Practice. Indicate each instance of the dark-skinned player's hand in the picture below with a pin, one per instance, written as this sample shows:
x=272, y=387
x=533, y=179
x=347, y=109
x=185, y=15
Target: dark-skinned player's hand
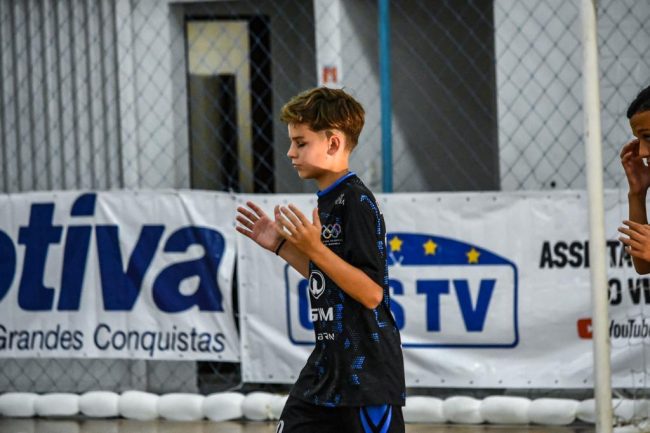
x=636, y=239
x=637, y=173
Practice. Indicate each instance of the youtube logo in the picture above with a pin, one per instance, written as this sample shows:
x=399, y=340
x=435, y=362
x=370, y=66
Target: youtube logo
x=584, y=328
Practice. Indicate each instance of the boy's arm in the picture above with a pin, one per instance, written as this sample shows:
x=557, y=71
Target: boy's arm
x=638, y=179
x=350, y=279
x=295, y=258
x=637, y=213
x=305, y=236
x=257, y=226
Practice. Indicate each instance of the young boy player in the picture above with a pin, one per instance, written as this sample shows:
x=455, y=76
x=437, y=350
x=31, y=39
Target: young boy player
x=354, y=378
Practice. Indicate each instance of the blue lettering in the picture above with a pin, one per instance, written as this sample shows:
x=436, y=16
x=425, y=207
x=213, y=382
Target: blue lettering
x=7, y=263
x=303, y=305
x=37, y=237
x=166, y=288
x=396, y=307
x=74, y=267
x=84, y=205
x=474, y=318
x=121, y=289
x=433, y=289
x=76, y=254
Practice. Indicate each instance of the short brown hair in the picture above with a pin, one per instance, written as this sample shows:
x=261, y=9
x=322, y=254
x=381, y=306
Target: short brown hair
x=323, y=108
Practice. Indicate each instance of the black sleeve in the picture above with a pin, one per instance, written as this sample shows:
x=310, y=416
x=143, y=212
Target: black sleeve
x=363, y=231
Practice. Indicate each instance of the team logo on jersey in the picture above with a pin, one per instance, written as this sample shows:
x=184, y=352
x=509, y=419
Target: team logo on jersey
x=316, y=284
x=340, y=201
x=331, y=231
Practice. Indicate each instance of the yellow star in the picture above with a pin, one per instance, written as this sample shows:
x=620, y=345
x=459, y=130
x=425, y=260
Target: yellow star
x=472, y=256
x=396, y=244
x=430, y=248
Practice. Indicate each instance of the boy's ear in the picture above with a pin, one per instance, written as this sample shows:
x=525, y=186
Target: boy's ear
x=335, y=144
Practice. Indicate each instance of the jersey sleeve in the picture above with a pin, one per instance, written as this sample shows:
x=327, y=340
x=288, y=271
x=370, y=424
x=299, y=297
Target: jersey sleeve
x=364, y=236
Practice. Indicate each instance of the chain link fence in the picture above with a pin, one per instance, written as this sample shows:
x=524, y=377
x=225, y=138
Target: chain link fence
x=486, y=95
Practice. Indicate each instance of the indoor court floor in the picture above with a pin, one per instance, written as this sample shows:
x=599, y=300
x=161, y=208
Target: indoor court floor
x=8, y=425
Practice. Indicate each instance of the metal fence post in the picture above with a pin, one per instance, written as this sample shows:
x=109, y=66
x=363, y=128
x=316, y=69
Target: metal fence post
x=385, y=84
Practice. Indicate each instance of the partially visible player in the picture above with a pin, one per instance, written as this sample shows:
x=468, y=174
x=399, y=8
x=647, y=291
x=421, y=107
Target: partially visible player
x=634, y=157
x=354, y=379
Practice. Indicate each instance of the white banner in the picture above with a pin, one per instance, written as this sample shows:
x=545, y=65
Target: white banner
x=117, y=275
x=488, y=289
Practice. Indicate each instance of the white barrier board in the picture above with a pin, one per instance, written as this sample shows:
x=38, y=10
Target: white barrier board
x=117, y=275
x=488, y=290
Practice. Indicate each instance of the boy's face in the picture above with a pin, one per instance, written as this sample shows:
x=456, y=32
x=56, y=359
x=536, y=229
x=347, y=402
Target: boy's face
x=308, y=151
x=640, y=124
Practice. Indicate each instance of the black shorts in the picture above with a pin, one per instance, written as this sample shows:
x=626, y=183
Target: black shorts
x=301, y=417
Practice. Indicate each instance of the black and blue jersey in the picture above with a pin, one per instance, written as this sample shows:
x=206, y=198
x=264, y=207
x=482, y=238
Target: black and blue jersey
x=357, y=359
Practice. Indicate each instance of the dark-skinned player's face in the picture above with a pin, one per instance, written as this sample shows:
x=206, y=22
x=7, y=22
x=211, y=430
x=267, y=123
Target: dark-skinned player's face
x=640, y=124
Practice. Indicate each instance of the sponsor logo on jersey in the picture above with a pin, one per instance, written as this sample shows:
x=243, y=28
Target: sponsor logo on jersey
x=331, y=231
x=316, y=284
x=331, y=234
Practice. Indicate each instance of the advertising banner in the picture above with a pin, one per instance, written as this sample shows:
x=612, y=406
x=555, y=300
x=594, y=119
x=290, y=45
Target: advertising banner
x=488, y=290
x=143, y=275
